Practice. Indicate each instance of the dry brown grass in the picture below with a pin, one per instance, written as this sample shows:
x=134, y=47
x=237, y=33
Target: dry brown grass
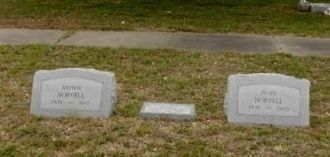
x=159, y=75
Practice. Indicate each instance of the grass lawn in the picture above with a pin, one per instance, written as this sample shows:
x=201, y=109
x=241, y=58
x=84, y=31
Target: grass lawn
x=156, y=75
x=278, y=17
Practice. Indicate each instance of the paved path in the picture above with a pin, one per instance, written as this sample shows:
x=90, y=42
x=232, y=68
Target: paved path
x=187, y=41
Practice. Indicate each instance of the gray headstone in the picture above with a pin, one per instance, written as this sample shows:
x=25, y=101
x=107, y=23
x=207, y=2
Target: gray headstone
x=73, y=92
x=153, y=110
x=264, y=98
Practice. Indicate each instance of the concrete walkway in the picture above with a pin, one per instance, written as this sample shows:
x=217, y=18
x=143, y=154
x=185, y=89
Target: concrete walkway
x=182, y=41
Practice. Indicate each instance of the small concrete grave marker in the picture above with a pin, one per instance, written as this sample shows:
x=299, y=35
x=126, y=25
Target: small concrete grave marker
x=265, y=98
x=73, y=92
x=153, y=110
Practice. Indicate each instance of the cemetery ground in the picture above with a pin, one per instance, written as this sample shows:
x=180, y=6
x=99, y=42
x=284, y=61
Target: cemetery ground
x=156, y=75
x=270, y=17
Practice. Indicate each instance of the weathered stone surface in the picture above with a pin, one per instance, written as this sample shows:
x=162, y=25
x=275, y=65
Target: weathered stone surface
x=305, y=46
x=327, y=12
x=153, y=110
x=181, y=41
x=265, y=98
x=28, y=36
x=73, y=92
x=319, y=7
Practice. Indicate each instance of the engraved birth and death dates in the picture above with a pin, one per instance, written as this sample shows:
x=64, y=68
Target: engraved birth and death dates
x=268, y=100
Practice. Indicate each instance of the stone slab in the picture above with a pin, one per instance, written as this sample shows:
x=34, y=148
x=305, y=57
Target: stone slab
x=305, y=46
x=214, y=42
x=73, y=92
x=178, y=40
x=28, y=36
x=225, y=42
x=319, y=7
x=267, y=98
x=153, y=110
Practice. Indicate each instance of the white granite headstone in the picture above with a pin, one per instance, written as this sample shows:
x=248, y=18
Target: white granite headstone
x=266, y=98
x=73, y=92
x=152, y=110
